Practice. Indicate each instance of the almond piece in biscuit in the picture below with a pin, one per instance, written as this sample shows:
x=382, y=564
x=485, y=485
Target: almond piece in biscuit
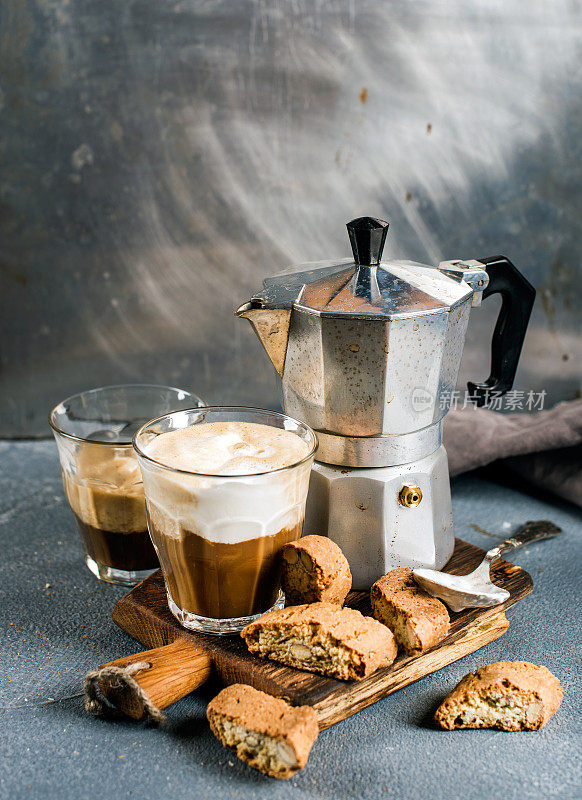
x=314, y=569
x=417, y=620
x=264, y=732
x=511, y=696
x=322, y=637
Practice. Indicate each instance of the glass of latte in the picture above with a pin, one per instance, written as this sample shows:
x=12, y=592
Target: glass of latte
x=225, y=489
x=101, y=475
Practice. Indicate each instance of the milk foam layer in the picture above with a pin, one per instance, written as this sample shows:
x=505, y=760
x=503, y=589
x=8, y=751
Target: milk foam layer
x=228, y=448
x=104, y=487
x=238, y=504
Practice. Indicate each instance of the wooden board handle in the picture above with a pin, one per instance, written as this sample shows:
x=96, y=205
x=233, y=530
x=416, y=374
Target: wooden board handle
x=163, y=676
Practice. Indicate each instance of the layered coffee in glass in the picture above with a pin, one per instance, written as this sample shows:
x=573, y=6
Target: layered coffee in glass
x=225, y=489
x=101, y=475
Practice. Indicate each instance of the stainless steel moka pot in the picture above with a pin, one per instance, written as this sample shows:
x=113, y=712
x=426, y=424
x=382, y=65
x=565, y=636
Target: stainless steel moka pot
x=368, y=352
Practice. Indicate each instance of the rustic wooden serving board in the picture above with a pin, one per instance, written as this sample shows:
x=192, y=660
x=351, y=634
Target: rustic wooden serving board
x=144, y=614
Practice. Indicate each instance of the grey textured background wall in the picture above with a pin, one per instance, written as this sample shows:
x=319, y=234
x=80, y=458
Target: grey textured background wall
x=159, y=158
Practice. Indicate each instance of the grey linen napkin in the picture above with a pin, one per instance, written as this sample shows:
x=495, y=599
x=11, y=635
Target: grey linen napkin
x=544, y=448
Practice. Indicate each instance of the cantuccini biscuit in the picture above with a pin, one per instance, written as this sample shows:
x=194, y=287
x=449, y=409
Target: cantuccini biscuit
x=264, y=732
x=322, y=637
x=417, y=620
x=512, y=696
x=314, y=569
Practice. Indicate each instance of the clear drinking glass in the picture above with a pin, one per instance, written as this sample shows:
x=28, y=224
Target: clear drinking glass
x=101, y=475
x=218, y=536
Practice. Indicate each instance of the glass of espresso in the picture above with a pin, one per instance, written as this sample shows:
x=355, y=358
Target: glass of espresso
x=101, y=475
x=225, y=489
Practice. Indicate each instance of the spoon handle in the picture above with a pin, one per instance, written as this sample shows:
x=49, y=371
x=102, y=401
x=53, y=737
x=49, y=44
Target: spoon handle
x=527, y=534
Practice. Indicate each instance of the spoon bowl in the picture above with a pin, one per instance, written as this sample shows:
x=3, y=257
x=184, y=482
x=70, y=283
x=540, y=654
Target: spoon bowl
x=477, y=590
x=461, y=591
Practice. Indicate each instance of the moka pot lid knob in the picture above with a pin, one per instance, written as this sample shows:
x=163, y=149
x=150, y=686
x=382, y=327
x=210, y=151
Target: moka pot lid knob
x=367, y=237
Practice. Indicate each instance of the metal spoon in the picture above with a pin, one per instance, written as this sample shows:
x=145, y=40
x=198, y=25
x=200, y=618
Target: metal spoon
x=476, y=590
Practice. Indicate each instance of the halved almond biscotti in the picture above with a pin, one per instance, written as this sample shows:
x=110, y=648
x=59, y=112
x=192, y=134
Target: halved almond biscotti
x=417, y=620
x=314, y=569
x=264, y=732
x=512, y=696
x=324, y=638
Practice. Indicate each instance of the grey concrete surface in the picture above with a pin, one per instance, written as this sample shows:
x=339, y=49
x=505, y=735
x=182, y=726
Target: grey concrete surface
x=55, y=625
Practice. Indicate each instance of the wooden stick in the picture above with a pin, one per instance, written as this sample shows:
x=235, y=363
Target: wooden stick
x=174, y=671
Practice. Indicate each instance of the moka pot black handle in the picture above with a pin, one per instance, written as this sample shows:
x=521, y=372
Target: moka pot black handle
x=517, y=299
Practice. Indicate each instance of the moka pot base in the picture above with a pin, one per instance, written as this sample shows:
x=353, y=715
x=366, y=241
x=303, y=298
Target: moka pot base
x=384, y=517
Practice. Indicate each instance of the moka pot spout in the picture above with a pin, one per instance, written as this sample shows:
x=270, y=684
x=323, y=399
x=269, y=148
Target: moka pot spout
x=271, y=326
